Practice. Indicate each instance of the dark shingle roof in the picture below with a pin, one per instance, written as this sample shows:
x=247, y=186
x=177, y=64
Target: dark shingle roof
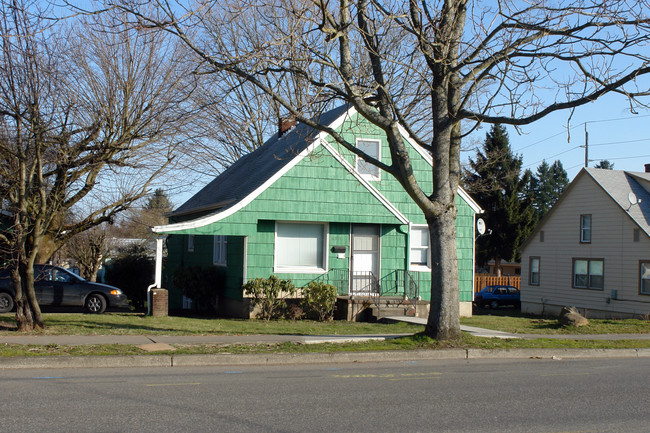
x=252, y=170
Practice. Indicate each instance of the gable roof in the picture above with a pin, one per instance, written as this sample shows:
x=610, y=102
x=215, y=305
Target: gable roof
x=252, y=170
x=617, y=184
x=244, y=180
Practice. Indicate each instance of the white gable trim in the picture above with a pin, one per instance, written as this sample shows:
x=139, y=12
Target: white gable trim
x=427, y=157
x=209, y=219
x=383, y=200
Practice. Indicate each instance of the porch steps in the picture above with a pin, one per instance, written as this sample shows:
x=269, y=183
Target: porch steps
x=399, y=306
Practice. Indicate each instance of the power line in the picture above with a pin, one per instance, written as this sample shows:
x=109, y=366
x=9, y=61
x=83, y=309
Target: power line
x=552, y=156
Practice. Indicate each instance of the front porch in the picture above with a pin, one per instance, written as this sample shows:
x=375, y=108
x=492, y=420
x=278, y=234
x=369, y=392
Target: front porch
x=369, y=298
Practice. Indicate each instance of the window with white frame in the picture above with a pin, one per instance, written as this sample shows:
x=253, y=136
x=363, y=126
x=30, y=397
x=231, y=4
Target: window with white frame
x=190, y=243
x=644, y=278
x=585, y=229
x=220, y=250
x=420, y=254
x=534, y=271
x=371, y=148
x=588, y=273
x=300, y=247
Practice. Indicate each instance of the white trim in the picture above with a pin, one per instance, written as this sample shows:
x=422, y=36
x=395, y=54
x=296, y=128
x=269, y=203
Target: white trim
x=427, y=157
x=383, y=200
x=201, y=222
x=298, y=269
x=357, y=158
x=320, y=140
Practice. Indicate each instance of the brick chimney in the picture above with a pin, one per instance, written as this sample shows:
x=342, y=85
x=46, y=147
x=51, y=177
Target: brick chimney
x=647, y=168
x=285, y=124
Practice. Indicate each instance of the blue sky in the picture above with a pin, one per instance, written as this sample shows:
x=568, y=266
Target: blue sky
x=615, y=134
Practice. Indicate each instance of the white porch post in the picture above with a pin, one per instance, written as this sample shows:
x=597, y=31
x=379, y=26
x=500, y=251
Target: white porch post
x=158, y=273
x=159, y=257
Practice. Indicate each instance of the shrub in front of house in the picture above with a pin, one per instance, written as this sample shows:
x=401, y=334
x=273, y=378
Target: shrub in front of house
x=202, y=284
x=132, y=271
x=319, y=300
x=269, y=296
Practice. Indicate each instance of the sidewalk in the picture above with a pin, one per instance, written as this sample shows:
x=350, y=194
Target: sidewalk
x=137, y=340
x=155, y=343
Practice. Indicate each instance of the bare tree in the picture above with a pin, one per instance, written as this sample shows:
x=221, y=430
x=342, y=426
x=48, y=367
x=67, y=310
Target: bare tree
x=88, y=250
x=89, y=119
x=435, y=69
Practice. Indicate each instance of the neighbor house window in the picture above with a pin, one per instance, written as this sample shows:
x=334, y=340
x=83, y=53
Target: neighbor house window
x=534, y=271
x=190, y=243
x=219, y=250
x=300, y=247
x=585, y=229
x=644, y=282
x=373, y=149
x=588, y=273
x=420, y=255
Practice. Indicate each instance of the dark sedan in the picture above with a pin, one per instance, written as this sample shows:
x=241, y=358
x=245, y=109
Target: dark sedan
x=56, y=286
x=496, y=296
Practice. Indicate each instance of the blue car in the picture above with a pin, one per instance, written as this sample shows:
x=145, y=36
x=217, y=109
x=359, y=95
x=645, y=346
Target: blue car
x=496, y=296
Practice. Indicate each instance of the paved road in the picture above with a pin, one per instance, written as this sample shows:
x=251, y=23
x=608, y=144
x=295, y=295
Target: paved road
x=443, y=396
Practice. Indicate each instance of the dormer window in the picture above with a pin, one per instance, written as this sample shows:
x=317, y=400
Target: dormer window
x=371, y=148
x=585, y=229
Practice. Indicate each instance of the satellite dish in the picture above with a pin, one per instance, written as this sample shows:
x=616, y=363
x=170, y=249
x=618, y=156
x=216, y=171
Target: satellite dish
x=480, y=226
x=631, y=197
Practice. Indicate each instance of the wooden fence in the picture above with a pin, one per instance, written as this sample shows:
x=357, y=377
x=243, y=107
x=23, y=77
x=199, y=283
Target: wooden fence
x=483, y=280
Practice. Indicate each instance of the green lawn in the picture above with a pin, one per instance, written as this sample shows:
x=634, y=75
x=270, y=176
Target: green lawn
x=132, y=324
x=139, y=324
x=509, y=321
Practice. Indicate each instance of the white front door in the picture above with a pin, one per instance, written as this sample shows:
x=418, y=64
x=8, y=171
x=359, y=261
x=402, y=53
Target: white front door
x=365, y=259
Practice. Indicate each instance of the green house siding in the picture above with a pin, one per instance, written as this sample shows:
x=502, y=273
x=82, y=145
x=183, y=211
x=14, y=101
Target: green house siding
x=320, y=189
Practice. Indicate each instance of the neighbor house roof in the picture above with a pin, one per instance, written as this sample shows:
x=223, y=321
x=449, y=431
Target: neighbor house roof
x=622, y=186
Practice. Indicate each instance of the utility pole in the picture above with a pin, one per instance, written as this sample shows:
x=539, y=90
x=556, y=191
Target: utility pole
x=586, y=146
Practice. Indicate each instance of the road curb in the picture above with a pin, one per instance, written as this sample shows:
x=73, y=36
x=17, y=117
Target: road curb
x=119, y=361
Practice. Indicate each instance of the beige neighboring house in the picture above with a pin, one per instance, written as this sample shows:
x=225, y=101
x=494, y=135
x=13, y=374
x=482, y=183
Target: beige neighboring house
x=592, y=249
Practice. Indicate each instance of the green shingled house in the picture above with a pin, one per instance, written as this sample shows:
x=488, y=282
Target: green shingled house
x=304, y=208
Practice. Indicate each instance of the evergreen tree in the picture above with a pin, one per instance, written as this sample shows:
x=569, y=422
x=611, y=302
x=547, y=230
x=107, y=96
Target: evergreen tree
x=139, y=221
x=605, y=164
x=495, y=181
x=548, y=184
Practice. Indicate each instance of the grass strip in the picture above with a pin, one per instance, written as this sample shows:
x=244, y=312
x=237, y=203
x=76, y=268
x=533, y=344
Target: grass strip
x=415, y=342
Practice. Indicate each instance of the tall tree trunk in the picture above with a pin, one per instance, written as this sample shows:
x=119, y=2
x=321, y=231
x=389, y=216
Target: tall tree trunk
x=444, y=318
x=28, y=312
